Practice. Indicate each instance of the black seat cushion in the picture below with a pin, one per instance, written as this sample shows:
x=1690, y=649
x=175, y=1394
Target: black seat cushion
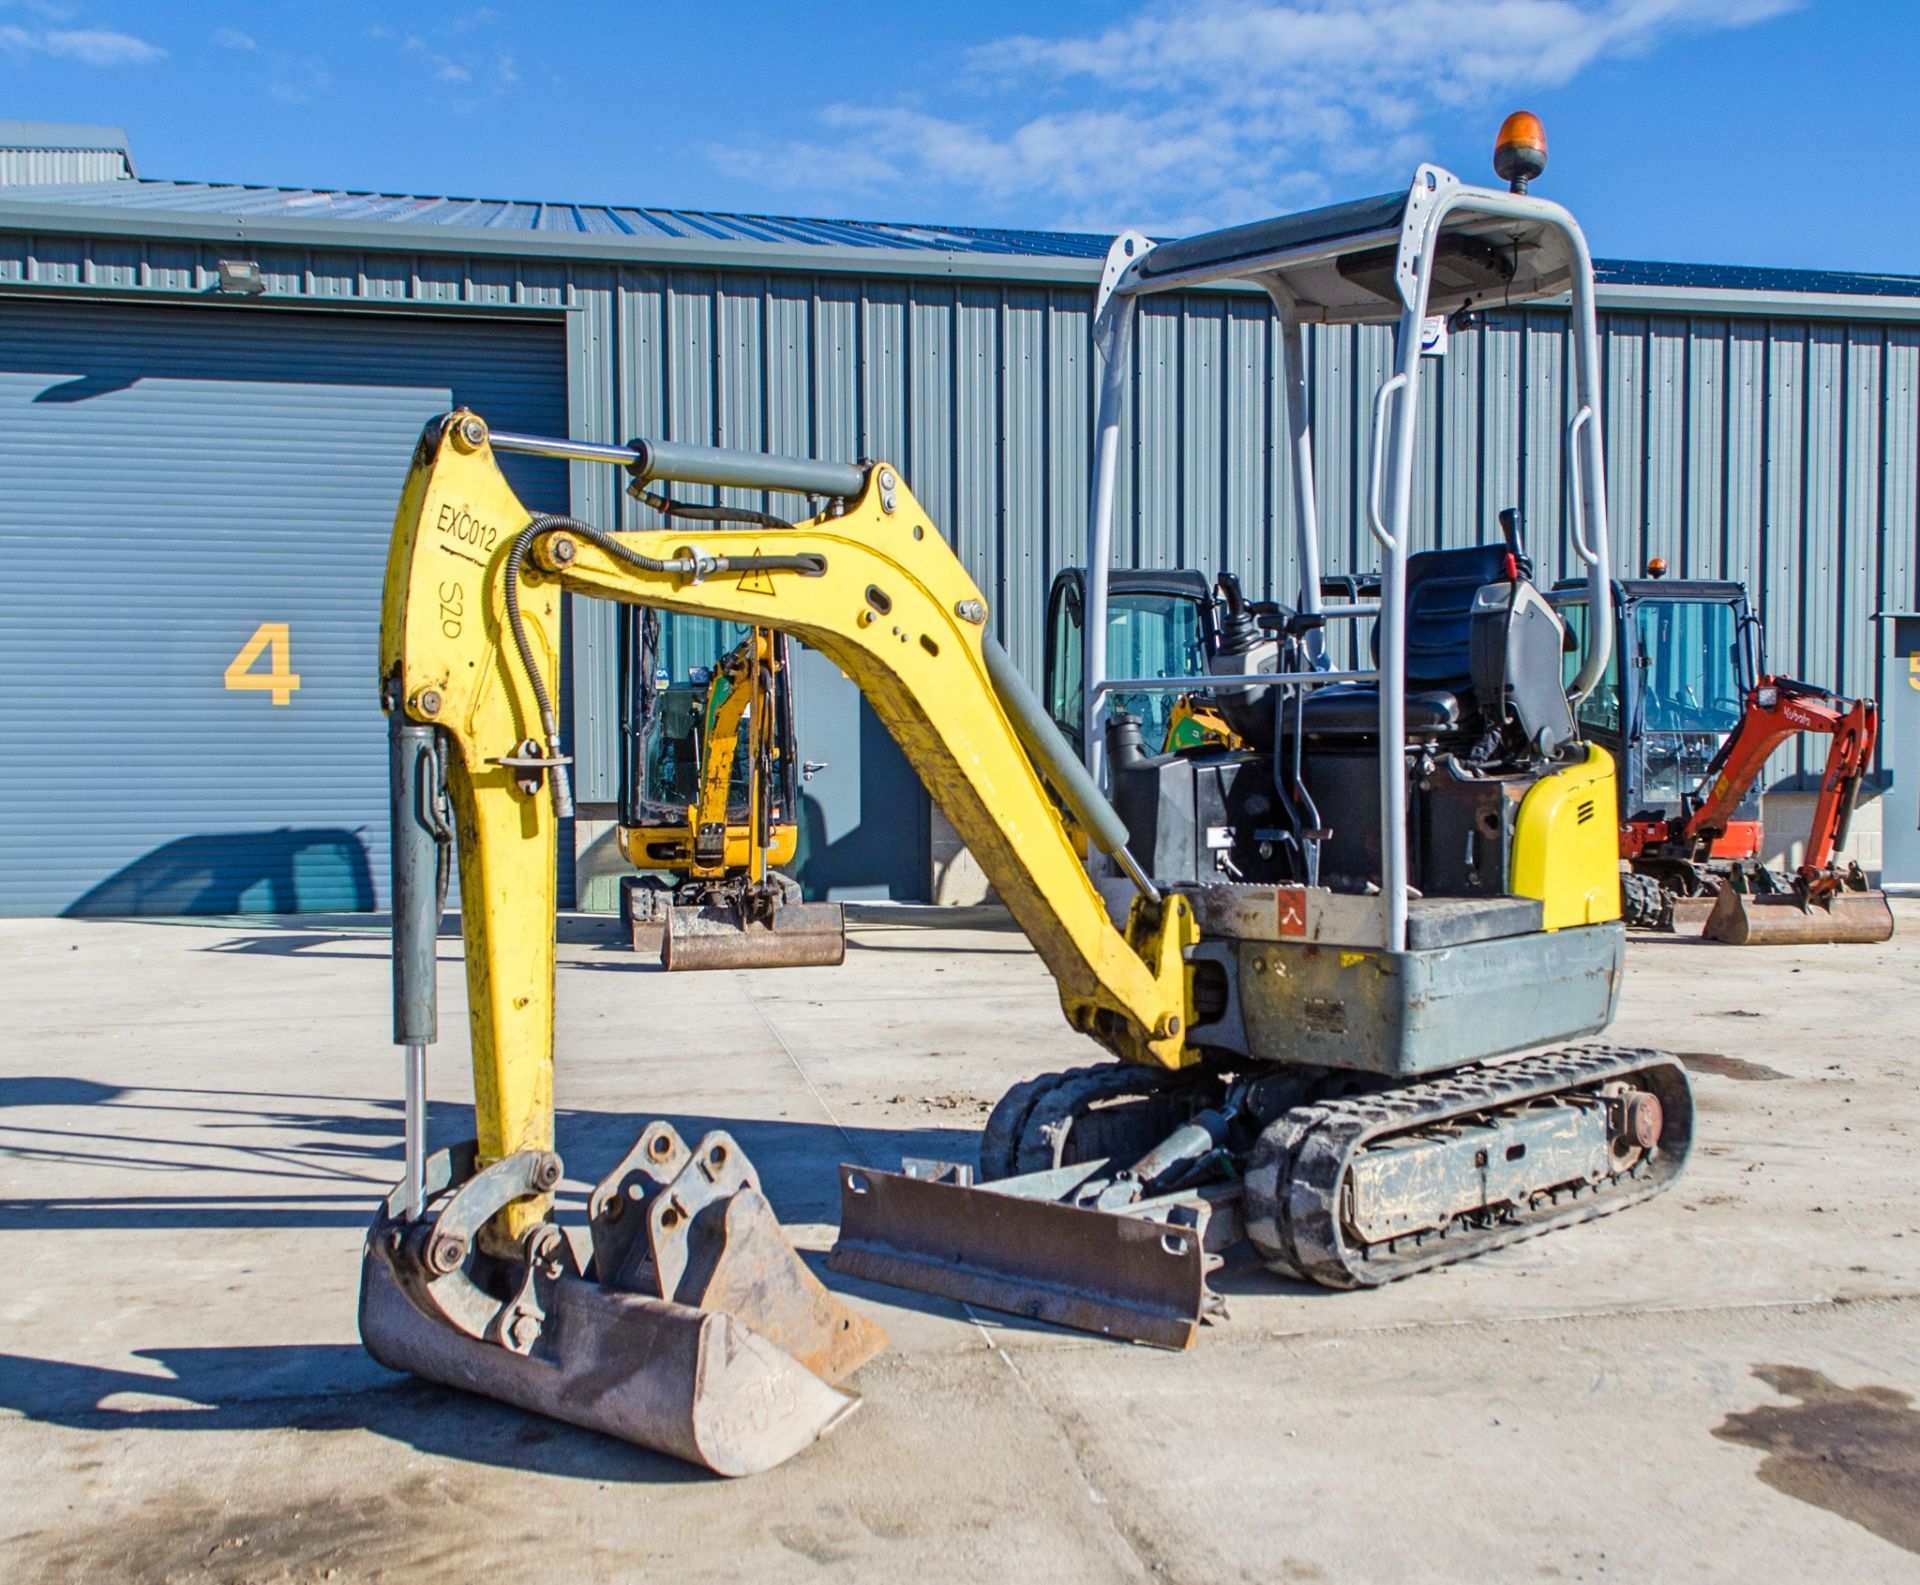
x=1441, y=585
x=1353, y=710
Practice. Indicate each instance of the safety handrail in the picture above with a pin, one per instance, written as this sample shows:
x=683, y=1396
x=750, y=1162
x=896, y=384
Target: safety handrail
x=1376, y=473
x=1577, y=475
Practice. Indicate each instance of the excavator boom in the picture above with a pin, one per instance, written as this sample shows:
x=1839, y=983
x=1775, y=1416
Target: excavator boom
x=880, y=593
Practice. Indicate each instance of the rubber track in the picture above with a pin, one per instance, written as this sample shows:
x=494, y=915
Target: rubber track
x=1297, y=1168
x=1073, y=1095
x=1006, y=1124
x=1645, y=904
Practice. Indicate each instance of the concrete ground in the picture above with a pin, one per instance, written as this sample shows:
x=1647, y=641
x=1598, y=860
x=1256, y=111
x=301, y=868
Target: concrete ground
x=197, y=1118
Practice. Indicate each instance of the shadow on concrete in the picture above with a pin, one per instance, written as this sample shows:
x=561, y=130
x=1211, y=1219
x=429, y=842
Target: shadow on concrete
x=328, y=1168
x=884, y=917
x=319, y=1387
x=239, y=872
x=32, y=1090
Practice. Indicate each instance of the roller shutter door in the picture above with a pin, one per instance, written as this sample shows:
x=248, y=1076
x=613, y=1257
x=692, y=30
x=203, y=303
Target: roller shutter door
x=194, y=512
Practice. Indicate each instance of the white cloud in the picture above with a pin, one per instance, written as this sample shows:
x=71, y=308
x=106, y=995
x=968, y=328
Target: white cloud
x=93, y=46
x=1188, y=112
x=233, y=39
x=297, y=79
x=469, y=68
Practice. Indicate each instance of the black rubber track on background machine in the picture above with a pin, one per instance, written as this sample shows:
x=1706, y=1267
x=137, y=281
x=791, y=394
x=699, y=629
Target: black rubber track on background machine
x=1645, y=904
x=1294, y=1178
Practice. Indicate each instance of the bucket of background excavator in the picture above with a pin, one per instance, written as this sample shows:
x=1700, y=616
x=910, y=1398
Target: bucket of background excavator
x=799, y=935
x=1690, y=915
x=1748, y=919
x=697, y=1384
x=1122, y=1276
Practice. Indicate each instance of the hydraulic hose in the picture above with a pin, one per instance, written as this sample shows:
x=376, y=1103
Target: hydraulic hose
x=694, y=565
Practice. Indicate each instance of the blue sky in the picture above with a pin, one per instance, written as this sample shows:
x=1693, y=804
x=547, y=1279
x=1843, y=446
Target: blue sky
x=1731, y=131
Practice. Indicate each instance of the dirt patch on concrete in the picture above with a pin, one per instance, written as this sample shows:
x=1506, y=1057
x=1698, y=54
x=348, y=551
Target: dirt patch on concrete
x=1724, y=1067
x=1854, y=1451
x=177, y=1536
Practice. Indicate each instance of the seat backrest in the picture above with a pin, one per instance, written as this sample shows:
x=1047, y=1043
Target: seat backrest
x=1441, y=585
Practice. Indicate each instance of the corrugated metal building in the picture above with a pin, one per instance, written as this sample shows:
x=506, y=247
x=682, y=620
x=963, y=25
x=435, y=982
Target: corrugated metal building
x=1761, y=424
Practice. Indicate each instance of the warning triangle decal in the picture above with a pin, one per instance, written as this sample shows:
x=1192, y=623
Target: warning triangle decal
x=757, y=581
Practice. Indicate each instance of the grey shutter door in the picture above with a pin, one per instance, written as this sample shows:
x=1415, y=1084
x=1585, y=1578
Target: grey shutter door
x=176, y=482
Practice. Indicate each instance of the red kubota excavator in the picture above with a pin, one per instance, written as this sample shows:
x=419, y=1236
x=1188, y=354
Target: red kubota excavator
x=1692, y=719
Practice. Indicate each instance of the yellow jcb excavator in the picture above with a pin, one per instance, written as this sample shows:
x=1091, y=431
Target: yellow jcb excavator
x=1302, y=951
x=709, y=797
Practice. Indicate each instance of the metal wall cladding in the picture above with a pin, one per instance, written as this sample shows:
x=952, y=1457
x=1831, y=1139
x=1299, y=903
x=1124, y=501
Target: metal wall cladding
x=47, y=167
x=1780, y=452
x=173, y=478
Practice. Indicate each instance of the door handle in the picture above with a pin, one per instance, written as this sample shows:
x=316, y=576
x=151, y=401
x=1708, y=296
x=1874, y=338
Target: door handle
x=809, y=768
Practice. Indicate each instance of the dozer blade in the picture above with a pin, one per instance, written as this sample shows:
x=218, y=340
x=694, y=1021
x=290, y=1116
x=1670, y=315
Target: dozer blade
x=1122, y=1276
x=800, y=935
x=1747, y=919
x=696, y=1384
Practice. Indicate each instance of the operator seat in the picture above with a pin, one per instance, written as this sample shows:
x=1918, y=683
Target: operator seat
x=1441, y=585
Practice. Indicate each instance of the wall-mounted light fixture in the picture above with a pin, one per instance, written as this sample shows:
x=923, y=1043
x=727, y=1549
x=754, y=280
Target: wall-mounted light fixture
x=241, y=278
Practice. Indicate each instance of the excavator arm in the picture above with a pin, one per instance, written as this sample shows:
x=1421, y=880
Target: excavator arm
x=470, y=645
x=730, y=694
x=1777, y=710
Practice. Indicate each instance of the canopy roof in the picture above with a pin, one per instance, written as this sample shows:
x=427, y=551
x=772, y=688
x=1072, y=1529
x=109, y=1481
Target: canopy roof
x=1338, y=263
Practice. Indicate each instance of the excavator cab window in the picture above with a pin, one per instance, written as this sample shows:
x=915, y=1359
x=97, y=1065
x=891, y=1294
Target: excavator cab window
x=1150, y=633
x=669, y=670
x=1689, y=690
x=1599, y=712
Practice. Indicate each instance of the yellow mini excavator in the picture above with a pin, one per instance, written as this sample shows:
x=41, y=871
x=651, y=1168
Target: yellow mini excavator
x=709, y=796
x=1302, y=951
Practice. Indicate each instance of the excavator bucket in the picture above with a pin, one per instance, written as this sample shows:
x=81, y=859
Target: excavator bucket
x=721, y=936
x=696, y=1331
x=1757, y=919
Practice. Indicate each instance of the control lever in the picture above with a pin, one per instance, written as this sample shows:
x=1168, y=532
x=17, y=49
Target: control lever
x=1510, y=531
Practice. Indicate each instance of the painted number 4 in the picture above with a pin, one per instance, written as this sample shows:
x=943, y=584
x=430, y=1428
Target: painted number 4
x=277, y=679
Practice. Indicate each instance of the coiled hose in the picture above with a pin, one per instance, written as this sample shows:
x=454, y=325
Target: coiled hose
x=694, y=565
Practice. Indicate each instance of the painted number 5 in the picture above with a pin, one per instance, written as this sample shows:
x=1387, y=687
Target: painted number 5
x=277, y=679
